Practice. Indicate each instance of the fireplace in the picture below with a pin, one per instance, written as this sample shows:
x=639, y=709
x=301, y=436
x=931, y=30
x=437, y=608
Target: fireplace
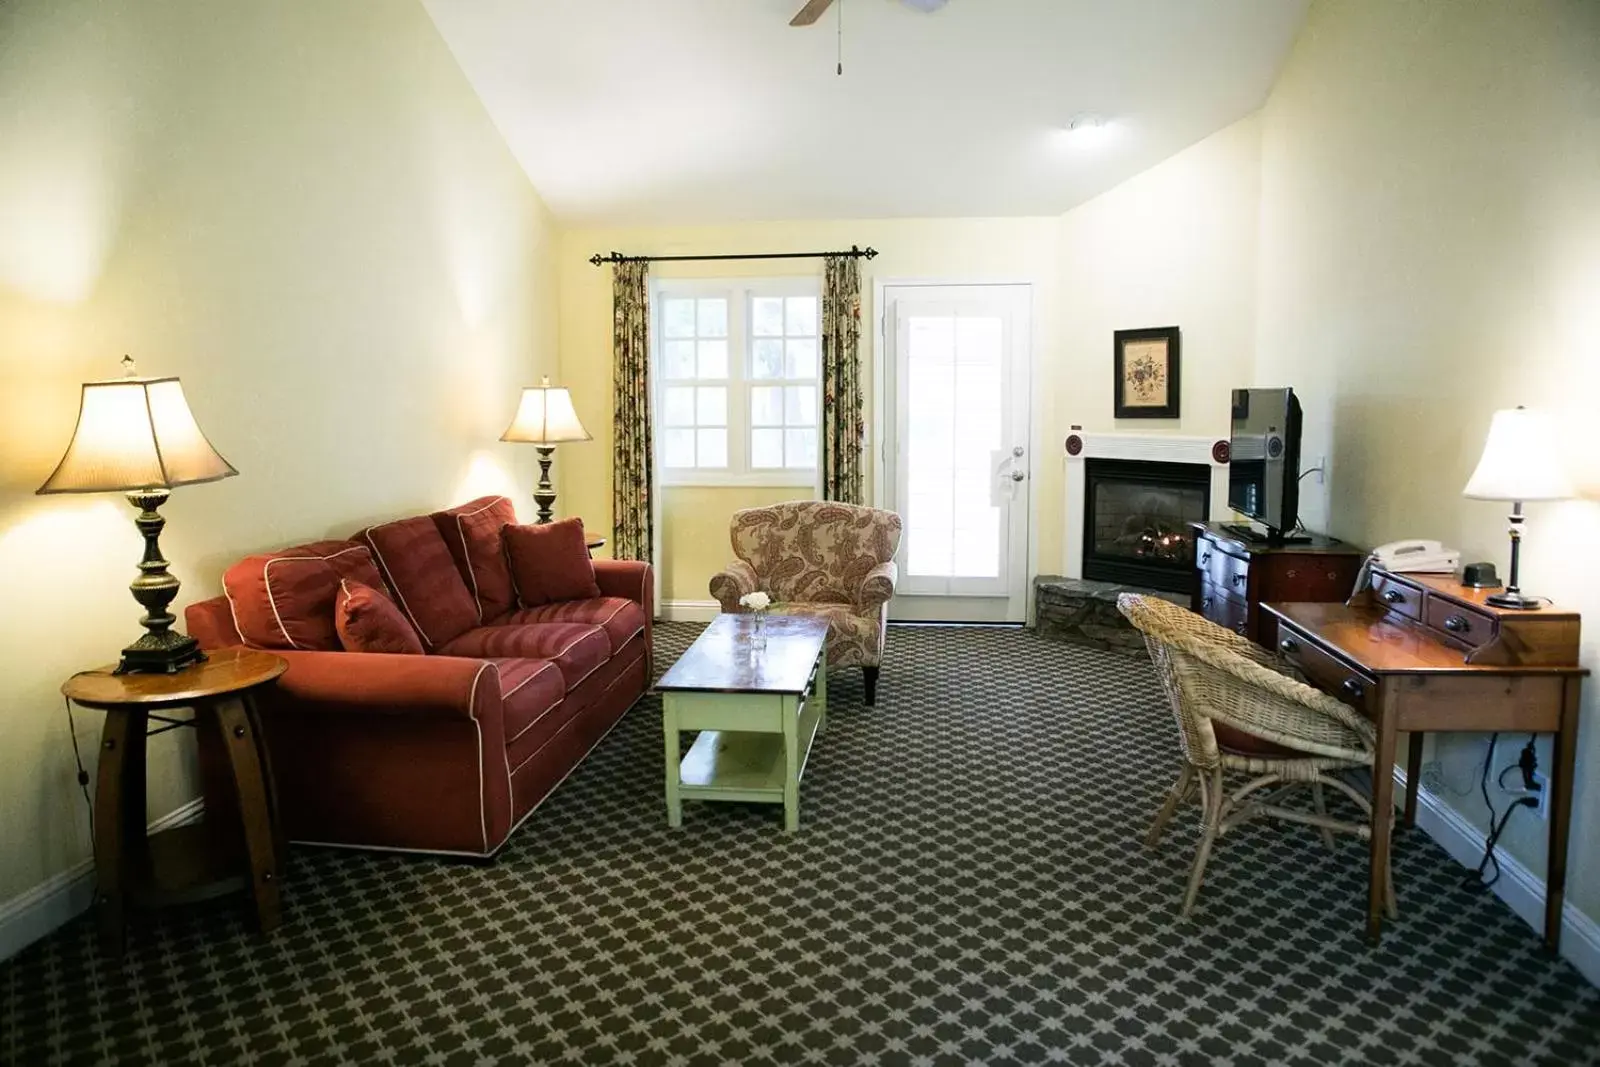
x=1134, y=521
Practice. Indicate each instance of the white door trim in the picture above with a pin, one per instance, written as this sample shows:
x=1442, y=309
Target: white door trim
x=1030, y=359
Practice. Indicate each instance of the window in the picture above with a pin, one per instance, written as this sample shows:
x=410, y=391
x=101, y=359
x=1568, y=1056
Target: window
x=737, y=367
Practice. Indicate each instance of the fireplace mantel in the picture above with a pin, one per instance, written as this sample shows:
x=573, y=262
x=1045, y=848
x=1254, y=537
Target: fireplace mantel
x=1170, y=448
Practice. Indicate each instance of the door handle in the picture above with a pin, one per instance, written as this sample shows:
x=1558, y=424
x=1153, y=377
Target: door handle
x=1017, y=476
x=1017, y=451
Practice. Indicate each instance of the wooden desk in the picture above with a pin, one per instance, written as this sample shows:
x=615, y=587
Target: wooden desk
x=1419, y=653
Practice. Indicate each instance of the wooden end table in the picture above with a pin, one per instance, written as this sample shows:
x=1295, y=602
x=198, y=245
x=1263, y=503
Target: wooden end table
x=757, y=710
x=237, y=844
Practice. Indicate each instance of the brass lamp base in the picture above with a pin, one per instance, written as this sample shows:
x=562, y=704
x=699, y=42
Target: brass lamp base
x=162, y=650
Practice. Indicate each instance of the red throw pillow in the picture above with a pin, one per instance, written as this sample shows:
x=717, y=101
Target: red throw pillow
x=550, y=562
x=368, y=621
x=285, y=599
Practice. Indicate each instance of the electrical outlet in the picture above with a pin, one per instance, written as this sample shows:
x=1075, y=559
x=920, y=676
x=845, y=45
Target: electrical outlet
x=1321, y=467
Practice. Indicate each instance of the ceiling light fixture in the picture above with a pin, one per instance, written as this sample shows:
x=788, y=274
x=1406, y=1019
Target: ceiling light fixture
x=1088, y=131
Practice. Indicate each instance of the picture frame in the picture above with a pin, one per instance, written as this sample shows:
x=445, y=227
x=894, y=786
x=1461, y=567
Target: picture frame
x=1145, y=370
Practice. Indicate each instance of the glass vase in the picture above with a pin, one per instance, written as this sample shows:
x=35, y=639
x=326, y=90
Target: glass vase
x=758, y=632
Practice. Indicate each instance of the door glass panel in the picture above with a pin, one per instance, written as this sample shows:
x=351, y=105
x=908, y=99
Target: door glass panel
x=954, y=368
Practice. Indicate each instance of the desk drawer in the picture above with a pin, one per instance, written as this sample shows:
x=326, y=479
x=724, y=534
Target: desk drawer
x=1228, y=573
x=1458, y=622
x=1397, y=596
x=1325, y=672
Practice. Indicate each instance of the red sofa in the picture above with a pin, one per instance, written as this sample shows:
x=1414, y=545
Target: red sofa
x=449, y=751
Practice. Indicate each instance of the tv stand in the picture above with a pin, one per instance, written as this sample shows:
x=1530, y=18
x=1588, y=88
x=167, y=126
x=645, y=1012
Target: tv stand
x=1234, y=574
x=1246, y=532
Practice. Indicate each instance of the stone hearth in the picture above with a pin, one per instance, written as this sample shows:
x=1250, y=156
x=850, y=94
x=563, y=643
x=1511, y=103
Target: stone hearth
x=1083, y=612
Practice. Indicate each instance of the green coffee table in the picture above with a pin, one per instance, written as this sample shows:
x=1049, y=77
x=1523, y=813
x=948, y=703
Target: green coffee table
x=757, y=710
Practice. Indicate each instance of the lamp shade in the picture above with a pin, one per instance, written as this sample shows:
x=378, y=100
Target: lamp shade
x=1521, y=460
x=545, y=417
x=135, y=433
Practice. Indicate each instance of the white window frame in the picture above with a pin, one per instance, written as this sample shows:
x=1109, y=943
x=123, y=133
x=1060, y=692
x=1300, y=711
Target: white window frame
x=738, y=292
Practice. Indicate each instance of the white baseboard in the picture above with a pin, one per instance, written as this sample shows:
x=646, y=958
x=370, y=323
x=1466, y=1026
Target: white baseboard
x=1521, y=889
x=690, y=610
x=27, y=917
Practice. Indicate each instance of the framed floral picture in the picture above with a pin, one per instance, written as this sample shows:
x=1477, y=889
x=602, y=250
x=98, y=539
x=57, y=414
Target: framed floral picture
x=1146, y=373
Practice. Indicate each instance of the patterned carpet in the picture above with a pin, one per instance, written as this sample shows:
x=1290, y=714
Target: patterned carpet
x=967, y=887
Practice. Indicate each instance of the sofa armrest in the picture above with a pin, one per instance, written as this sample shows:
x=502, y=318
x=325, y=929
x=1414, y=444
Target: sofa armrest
x=387, y=684
x=878, y=586
x=729, y=585
x=628, y=579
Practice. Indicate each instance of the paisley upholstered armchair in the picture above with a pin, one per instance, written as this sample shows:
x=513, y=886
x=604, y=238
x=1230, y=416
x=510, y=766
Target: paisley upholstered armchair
x=823, y=559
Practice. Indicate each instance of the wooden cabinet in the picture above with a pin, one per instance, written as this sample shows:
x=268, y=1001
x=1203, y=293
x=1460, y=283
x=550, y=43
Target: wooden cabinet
x=1232, y=576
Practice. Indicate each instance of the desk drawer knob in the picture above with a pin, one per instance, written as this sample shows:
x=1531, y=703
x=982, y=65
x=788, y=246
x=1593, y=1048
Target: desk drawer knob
x=1352, y=688
x=1393, y=596
x=1288, y=646
x=1457, y=624
x=1240, y=577
x=1240, y=628
x=1205, y=557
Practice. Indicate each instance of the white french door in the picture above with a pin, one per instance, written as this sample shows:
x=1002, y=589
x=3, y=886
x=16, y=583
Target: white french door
x=956, y=448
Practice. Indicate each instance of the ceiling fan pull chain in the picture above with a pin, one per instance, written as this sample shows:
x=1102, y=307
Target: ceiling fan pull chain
x=839, y=71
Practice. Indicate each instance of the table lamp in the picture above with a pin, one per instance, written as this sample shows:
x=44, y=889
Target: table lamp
x=138, y=436
x=545, y=418
x=1521, y=462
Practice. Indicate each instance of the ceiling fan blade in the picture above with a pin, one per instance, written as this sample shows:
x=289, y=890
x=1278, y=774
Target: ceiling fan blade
x=811, y=12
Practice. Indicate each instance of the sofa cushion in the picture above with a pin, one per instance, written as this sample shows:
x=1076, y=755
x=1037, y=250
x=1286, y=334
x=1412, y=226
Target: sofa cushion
x=529, y=688
x=417, y=564
x=285, y=599
x=575, y=648
x=472, y=533
x=618, y=617
x=550, y=562
x=368, y=621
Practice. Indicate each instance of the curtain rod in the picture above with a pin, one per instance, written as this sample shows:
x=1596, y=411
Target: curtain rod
x=617, y=257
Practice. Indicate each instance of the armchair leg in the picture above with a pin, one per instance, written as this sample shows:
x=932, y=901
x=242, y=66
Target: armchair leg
x=869, y=675
x=1213, y=797
x=1177, y=795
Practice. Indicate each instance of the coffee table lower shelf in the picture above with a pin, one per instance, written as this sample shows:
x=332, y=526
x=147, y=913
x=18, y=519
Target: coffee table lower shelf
x=739, y=766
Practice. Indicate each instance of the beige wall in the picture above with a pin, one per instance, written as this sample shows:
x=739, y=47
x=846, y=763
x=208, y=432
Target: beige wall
x=695, y=521
x=1174, y=245
x=1430, y=251
x=304, y=211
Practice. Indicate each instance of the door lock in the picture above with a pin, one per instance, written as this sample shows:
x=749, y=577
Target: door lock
x=1017, y=451
x=1017, y=476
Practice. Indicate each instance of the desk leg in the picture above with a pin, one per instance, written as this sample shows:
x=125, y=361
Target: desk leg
x=1564, y=752
x=255, y=812
x=791, y=763
x=669, y=738
x=1382, y=806
x=1413, y=775
x=119, y=824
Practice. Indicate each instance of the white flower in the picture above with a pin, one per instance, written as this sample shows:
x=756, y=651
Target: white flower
x=757, y=601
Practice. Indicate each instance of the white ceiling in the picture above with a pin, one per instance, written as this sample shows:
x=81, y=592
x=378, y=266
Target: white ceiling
x=701, y=111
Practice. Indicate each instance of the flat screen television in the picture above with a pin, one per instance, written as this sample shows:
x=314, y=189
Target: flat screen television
x=1264, y=461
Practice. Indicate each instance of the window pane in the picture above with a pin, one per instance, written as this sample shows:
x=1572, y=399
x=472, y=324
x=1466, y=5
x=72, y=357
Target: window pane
x=678, y=359
x=713, y=317
x=713, y=359
x=677, y=448
x=801, y=358
x=678, y=407
x=766, y=359
x=766, y=316
x=677, y=317
x=711, y=407
x=713, y=448
x=800, y=448
x=800, y=405
x=766, y=449
x=800, y=316
x=766, y=406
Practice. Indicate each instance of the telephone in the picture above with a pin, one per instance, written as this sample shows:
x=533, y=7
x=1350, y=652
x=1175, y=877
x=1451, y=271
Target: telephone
x=1417, y=557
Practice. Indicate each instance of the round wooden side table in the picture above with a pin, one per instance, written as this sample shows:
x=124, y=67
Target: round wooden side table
x=237, y=844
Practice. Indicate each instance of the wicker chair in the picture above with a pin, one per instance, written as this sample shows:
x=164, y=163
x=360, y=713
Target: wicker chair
x=1239, y=710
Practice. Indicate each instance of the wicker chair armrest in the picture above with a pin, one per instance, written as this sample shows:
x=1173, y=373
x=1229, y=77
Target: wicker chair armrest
x=728, y=585
x=1271, y=705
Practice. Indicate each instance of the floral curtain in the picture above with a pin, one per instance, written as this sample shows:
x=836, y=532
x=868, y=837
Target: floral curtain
x=632, y=533
x=843, y=422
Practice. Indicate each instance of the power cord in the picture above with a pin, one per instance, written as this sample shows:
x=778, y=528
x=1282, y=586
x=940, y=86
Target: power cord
x=1527, y=764
x=83, y=775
